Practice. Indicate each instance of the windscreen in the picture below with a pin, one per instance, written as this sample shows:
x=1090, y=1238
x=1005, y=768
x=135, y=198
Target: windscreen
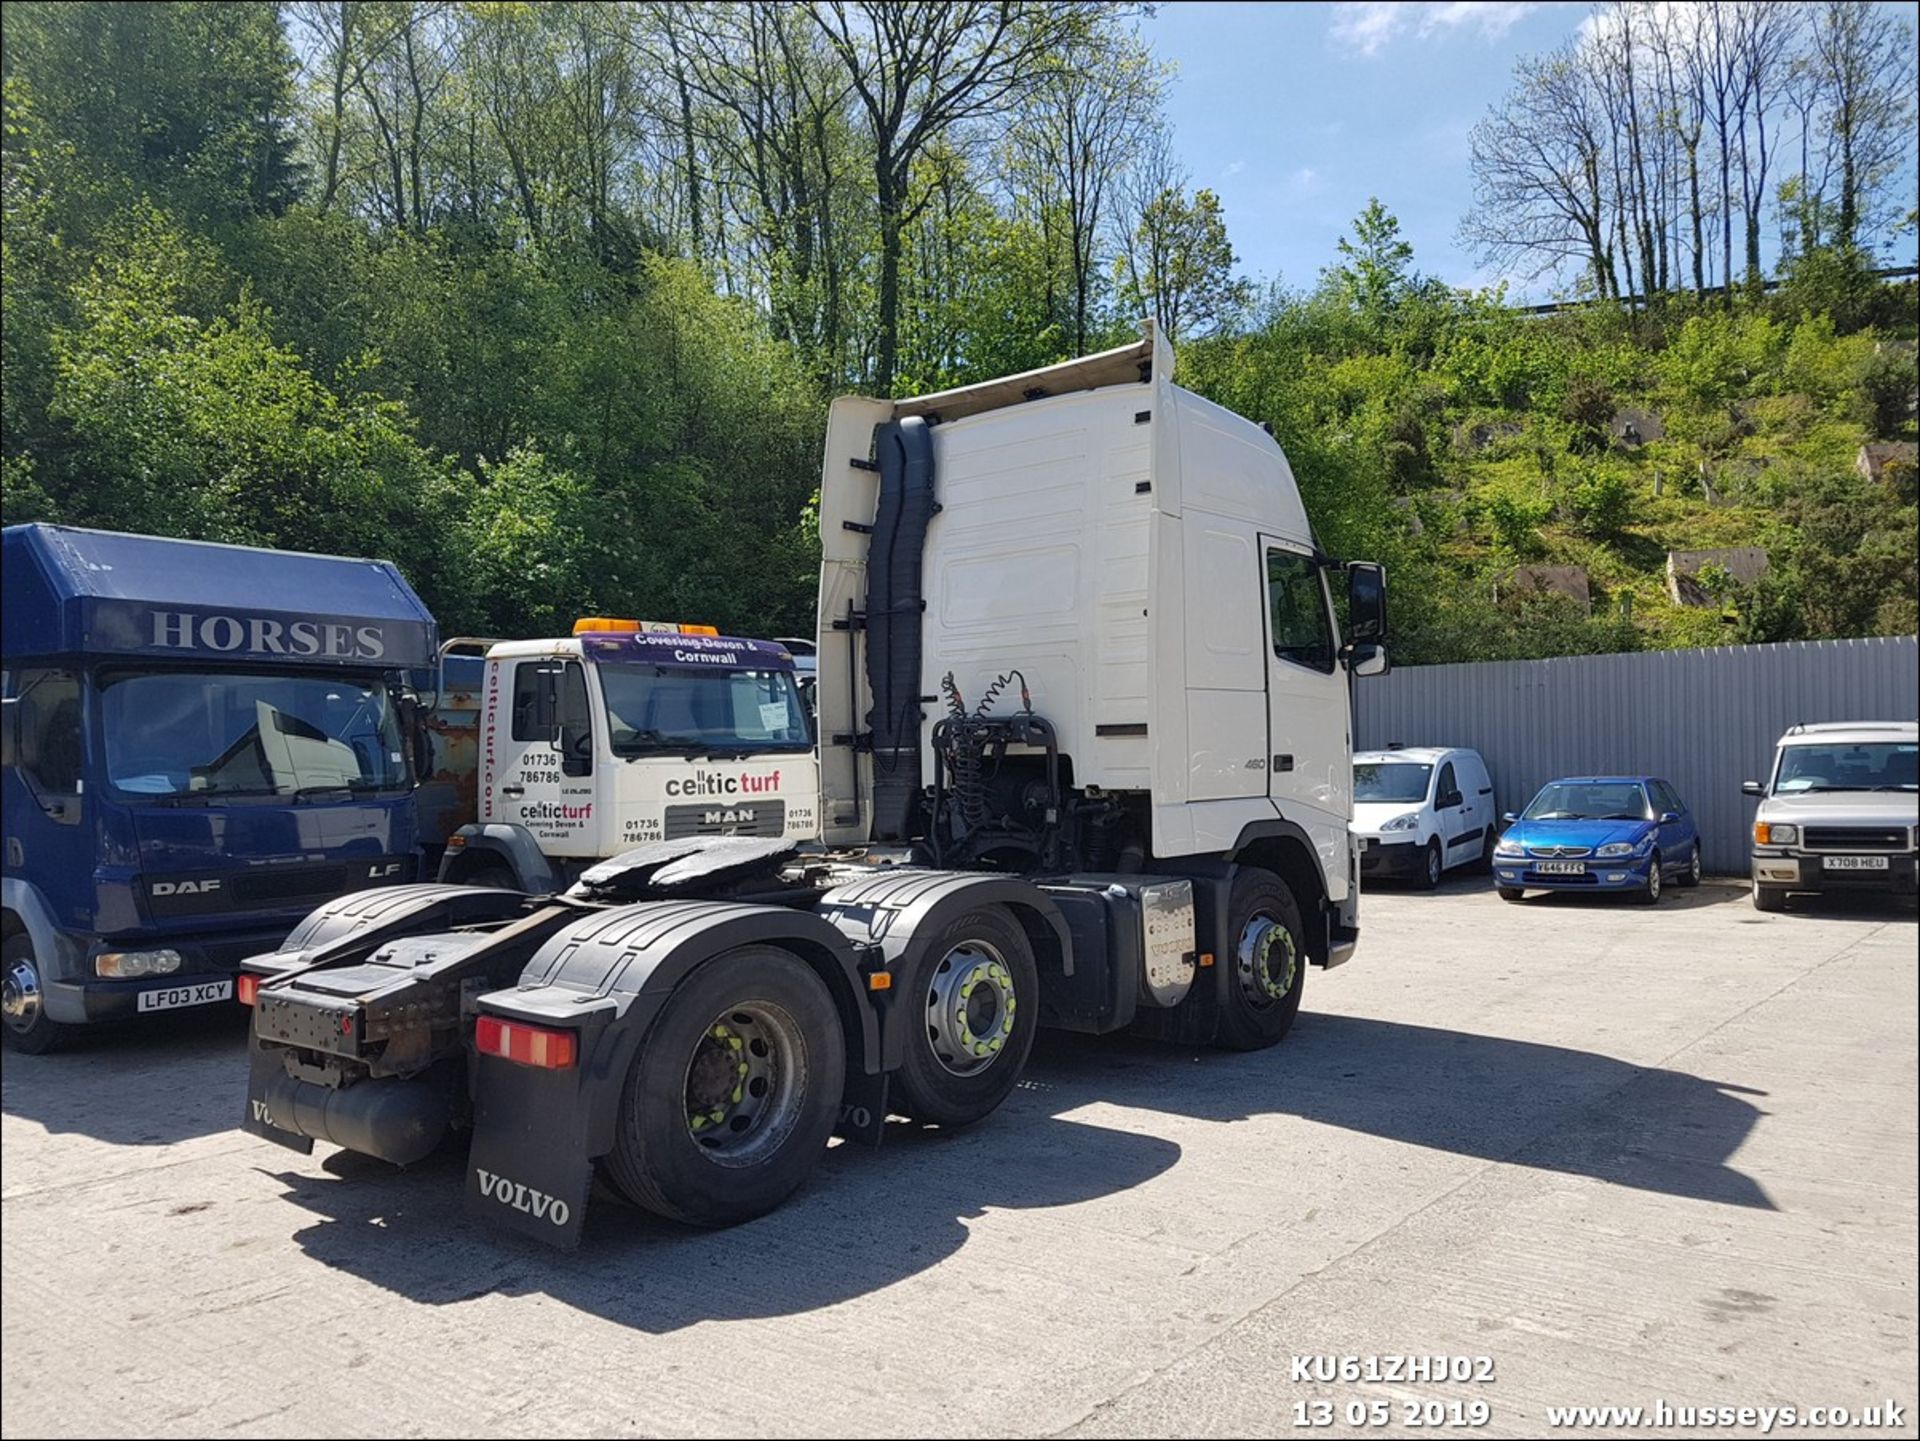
x=1876, y=766
x=1590, y=801
x=668, y=710
x=1396, y=781
x=192, y=734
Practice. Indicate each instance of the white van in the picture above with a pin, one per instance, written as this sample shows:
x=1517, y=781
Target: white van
x=1419, y=811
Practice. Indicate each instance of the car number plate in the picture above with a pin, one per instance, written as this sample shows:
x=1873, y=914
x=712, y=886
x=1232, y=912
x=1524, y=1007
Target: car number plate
x=1561, y=868
x=1854, y=863
x=173, y=997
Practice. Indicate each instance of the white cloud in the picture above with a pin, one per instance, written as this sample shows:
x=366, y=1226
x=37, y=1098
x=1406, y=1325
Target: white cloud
x=1366, y=27
x=1234, y=168
x=1305, y=178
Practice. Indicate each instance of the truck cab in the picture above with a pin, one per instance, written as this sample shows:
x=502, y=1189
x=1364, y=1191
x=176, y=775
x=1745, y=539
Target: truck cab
x=628, y=732
x=202, y=743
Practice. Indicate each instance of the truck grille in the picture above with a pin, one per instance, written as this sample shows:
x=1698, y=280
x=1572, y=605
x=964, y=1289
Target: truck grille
x=739, y=818
x=1856, y=838
x=292, y=884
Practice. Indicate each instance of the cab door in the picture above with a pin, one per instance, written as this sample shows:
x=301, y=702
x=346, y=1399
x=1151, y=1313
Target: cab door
x=538, y=753
x=1310, y=751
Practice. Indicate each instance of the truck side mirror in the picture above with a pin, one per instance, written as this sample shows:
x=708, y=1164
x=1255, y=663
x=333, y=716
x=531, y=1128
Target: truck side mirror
x=1366, y=601
x=9, y=731
x=1368, y=658
x=1752, y=788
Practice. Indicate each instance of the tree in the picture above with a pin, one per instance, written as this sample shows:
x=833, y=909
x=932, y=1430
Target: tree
x=921, y=71
x=1538, y=174
x=1175, y=261
x=1082, y=126
x=1374, y=270
x=1863, y=69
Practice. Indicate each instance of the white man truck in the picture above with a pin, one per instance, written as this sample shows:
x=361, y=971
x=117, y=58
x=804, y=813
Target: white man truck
x=629, y=732
x=1084, y=762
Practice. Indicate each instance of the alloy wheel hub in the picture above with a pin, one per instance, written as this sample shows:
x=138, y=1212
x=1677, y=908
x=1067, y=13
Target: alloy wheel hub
x=1267, y=960
x=744, y=1083
x=20, y=996
x=970, y=1008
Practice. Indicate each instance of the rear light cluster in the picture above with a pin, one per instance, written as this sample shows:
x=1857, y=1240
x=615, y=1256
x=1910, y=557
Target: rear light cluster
x=246, y=988
x=526, y=1045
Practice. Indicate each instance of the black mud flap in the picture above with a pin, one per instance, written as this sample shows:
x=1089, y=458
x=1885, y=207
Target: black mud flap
x=264, y=1068
x=529, y=1170
x=863, y=1109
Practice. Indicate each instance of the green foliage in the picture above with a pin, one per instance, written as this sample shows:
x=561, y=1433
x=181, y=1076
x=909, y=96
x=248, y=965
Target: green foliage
x=1602, y=504
x=550, y=305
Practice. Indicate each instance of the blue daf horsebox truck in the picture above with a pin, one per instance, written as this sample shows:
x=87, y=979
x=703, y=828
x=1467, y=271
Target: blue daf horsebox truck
x=201, y=743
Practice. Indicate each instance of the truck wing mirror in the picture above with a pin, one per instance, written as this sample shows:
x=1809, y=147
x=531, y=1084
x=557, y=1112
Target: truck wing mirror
x=1366, y=601
x=9, y=731
x=1752, y=788
x=1368, y=658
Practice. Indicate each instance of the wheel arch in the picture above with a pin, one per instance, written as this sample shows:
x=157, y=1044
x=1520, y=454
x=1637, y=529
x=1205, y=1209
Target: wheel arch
x=1285, y=849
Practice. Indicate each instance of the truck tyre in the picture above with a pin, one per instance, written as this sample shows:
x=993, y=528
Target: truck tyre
x=1268, y=952
x=734, y=1091
x=975, y=988
x=1432, y=866
x=26, y=1025
x=1772, y=899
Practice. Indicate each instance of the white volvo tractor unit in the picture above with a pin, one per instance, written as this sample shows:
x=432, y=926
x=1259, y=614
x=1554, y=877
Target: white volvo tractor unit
x=1083, y=755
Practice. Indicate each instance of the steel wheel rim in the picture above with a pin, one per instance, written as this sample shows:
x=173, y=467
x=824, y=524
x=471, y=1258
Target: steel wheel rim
x=20, y=996
x=746, y=1081
x=1653, y=878
x=1266, y=959
x=970, y=1008
x=1693, y=871
x=1433, y=866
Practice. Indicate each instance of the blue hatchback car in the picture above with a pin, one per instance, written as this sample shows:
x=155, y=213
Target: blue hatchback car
x=1599, y=833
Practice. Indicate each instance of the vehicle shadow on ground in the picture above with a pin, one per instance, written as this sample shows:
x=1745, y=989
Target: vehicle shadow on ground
x=1521, y=1102
x=866, y=1220
x=870, y=1219
x=103, y=1085
x=1871, y=906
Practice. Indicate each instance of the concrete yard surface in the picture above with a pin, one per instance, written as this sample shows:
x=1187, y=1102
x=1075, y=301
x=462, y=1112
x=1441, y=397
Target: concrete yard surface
x=1632, y=1155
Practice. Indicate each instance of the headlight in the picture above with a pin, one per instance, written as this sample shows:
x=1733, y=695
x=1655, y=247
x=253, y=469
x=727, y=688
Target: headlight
x=1403, y=823
x=1509, y=848
x=1616, y=848
x=128, y=965
x=1774, y=835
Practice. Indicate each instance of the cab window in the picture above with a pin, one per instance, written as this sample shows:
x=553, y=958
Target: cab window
x=1297, y=601
x=550, y=704
x=52, y=749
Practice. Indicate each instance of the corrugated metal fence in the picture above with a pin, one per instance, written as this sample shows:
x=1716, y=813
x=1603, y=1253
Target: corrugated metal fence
x=1703, y=719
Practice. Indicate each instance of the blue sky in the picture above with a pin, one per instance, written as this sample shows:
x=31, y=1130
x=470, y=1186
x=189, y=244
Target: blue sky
x=1296, y=113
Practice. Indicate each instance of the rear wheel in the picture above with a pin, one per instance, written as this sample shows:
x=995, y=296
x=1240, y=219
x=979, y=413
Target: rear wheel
x=1650, y=892
x=1769, y=898
x=977, y=989
x=734, y=1092
x=1690, y=877
x=1269, y=963
x=23, y=1000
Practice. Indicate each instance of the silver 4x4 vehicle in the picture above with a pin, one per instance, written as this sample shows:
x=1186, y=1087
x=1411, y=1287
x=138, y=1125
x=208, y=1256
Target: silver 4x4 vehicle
x=1840, y=812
